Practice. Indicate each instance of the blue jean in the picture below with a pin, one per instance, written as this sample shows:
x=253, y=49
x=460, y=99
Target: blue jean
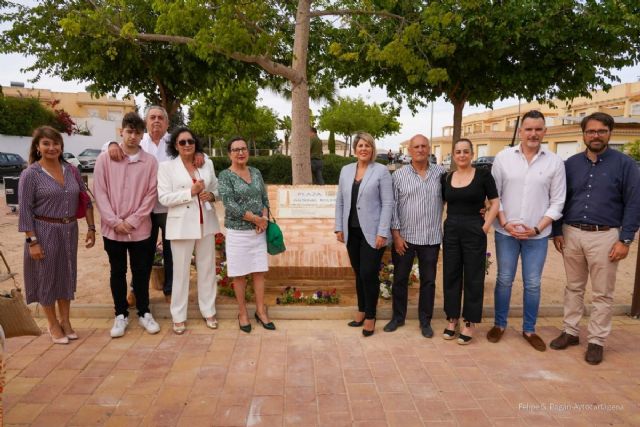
x=534, y=253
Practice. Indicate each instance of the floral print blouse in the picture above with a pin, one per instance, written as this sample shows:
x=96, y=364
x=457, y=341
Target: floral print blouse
x=238, y=197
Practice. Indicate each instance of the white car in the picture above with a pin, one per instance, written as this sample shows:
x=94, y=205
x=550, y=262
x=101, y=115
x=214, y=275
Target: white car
x=71, y=159
x=405, y=159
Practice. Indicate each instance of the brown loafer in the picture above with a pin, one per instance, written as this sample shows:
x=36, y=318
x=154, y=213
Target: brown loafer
x=564, y=341
x=594, y=354
x=535, y=341
x=495, y=334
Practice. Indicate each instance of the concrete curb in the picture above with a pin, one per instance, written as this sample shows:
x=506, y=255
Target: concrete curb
x=302, y=312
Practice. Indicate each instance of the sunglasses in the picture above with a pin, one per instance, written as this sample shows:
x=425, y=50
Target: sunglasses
x=186, y=141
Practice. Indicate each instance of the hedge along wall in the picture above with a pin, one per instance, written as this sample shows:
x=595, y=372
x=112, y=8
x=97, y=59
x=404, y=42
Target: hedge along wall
x=276, y=169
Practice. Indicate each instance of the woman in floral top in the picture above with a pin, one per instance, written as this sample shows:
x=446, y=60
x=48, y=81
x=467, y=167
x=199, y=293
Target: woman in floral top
x=246, y=205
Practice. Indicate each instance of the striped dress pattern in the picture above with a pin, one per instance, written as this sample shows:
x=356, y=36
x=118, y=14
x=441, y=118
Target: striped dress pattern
x=55, y=276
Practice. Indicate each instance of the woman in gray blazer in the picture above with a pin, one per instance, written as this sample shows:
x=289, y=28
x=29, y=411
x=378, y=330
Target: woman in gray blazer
x=363, y=216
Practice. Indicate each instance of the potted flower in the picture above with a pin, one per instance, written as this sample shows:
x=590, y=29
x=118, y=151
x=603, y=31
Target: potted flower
x=157, y=269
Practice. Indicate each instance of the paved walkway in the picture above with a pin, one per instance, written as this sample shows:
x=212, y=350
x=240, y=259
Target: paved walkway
x=318, y=373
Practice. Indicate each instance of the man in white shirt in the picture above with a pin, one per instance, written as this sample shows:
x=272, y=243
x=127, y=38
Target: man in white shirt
x=532, y=186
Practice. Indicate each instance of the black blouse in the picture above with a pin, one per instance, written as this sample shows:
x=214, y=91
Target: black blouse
x=354, y=222
x=470, y=199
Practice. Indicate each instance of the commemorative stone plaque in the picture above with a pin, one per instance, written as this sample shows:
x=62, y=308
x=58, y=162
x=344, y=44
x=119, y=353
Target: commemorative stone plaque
x=307, y=202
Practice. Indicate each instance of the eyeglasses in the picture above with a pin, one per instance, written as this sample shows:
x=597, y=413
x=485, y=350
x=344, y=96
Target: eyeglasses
x=239, y=150
x=186, y=141
x=599, y=132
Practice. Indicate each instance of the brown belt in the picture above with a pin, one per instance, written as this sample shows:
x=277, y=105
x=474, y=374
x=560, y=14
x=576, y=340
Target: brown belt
x=591, y=227
x=66, y=220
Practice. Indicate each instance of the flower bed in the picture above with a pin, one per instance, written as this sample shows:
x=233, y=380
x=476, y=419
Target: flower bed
x=291, y=295
x=386, y=278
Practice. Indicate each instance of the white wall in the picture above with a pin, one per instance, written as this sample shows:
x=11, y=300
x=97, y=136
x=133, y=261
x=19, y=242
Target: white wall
x=101, y=132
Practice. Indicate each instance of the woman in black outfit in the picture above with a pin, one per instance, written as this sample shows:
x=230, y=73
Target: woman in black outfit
x=465, y=239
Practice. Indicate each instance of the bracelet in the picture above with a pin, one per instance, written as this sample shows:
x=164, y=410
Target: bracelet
x=537, y=230
x=92, y=227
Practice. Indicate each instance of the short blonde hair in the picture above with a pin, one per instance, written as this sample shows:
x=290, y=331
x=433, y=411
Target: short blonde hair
x=369, y=140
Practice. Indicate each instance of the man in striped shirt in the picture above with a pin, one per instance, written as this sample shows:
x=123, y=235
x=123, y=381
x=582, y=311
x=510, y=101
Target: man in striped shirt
x=417, y=232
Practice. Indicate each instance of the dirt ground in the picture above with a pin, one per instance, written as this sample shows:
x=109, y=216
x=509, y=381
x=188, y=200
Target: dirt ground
x=93, y=271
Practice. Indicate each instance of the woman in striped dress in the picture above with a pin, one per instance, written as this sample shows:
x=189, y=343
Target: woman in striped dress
x=48, y=193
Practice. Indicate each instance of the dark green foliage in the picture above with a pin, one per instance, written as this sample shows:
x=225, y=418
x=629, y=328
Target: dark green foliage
x=332, y=164
x=332, y=142
x=20, y=116
x=276, y=169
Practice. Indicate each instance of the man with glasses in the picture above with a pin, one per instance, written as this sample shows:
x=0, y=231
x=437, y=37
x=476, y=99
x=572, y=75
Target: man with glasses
x=417, y=232
x=531, y=185
x=600, y=219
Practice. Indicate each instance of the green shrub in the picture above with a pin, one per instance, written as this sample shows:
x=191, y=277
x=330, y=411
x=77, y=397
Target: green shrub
x=276, y=169
x=21, y=116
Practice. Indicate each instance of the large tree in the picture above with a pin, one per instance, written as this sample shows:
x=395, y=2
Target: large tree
x=480, y=51
x=274, y=36
x=229, y=109
x=164, y=74
x=347, y=115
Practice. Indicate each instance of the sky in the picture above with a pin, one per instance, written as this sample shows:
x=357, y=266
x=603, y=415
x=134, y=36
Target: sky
x=11, y=67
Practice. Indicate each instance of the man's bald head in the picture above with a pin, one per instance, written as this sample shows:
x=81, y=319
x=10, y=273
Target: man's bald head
x=419, y=138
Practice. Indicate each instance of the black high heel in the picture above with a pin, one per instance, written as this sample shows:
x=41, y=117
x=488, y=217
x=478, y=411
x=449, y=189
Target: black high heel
x=367, y=333
x=269, y=326
x=244, y=328
x=355, y=324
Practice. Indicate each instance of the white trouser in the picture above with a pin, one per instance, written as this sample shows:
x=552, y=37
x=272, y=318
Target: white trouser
x=206, y=267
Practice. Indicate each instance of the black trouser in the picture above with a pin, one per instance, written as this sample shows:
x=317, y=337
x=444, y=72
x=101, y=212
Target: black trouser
x=365, y=262
x=427, y=263
x=316, y=172
x=140, y=271
x=159, y=221
x=464, y=260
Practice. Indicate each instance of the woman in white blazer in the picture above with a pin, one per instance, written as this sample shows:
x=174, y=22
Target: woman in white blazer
x=364, y=203
x=189, y=193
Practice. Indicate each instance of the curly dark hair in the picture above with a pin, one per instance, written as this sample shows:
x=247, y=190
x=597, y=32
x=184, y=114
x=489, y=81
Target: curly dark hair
x=172, y=151
x=44, y=132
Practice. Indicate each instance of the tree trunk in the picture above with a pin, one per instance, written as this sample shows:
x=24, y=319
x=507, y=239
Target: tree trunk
x=286, y=144
x=458, y=106
x=300, y=157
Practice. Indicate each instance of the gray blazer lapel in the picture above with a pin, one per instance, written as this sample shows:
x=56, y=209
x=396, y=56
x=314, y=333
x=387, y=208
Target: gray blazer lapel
x=367, y=175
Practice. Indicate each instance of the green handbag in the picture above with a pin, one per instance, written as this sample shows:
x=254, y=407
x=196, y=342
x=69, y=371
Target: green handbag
x=275, y=239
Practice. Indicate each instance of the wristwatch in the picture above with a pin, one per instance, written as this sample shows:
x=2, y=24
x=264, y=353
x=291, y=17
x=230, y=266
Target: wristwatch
x=537, y=230
x=627, y=242
x=31, y=240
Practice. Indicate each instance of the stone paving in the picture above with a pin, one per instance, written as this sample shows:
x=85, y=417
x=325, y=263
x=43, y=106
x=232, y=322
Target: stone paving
x=318, y=373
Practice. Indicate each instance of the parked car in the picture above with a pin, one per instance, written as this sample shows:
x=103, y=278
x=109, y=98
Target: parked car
x=405, y=159
x=88, y=159
x=485, y=162
x=71, y=159
x=11, y=164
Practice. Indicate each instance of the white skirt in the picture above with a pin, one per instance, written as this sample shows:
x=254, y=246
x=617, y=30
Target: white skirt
x=246, y=252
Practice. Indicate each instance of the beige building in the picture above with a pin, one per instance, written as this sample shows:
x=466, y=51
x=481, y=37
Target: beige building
x=79, y=105
x=493, y=130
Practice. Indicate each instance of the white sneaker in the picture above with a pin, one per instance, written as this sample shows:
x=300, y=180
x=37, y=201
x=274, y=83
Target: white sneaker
x=119, y=326
x=149, y=323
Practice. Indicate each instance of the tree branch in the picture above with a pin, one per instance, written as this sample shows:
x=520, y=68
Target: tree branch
x=344, y=12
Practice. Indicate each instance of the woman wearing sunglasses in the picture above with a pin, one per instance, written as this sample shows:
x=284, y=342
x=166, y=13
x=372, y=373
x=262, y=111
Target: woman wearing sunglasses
x=245, y=217
x=189, y=193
